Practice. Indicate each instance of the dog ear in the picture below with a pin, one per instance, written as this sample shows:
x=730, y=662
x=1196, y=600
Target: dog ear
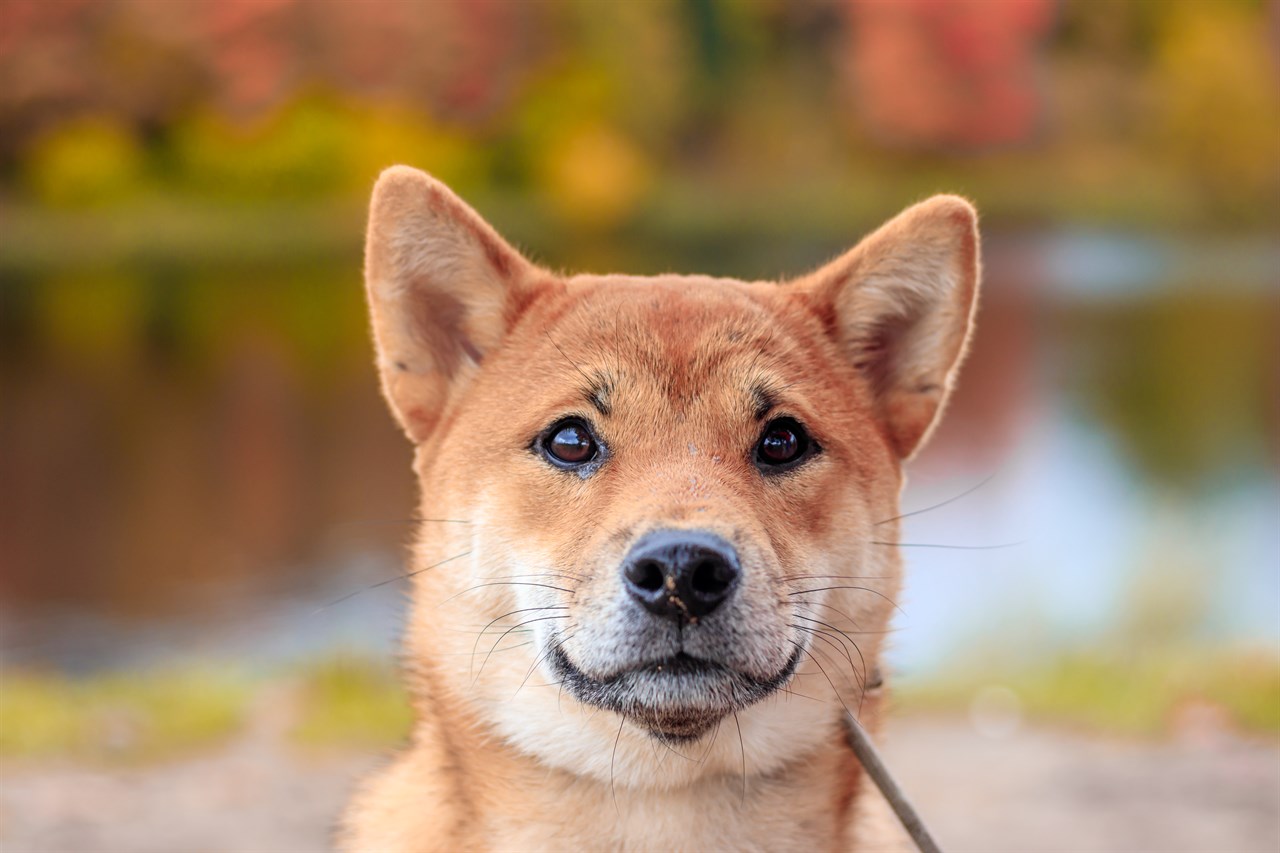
x=443, y=289
x=901, y=304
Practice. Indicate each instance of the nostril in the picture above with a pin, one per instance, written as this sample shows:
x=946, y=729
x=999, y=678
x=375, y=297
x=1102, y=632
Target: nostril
x=711, y=577
x=681, y=574
x=646, y=575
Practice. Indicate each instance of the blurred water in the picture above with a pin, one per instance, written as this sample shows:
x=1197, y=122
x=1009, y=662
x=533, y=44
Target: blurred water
x=210, y=500
x=1144, y=508
x=1086, y=536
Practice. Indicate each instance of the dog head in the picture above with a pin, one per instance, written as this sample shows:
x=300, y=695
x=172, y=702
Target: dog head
x=666, y=498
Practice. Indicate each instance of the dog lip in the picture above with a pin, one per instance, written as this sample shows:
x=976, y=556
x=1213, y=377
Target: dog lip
x=732, y=691
x=676, y=665
x=681, y=664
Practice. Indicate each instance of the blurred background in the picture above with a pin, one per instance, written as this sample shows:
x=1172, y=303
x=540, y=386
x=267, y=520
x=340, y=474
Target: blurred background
x=196, y=464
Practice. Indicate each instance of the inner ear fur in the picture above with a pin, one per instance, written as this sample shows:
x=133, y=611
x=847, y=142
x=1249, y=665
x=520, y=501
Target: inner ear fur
x=901, y=306
x=443, y=290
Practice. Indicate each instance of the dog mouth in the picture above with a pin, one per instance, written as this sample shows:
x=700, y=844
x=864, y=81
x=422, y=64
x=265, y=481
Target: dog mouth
x=676, y=698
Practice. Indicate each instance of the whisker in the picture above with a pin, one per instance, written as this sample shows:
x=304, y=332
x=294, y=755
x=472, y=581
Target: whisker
x=803, y=603
x=657, y=736
x=813, y=650
x=859, y=677
x=404, y=576
x=787, y=689
x=535, y=575
x=715, y=735
x=854, y=622
x=964, y=494
x=501, y=583
x=550, y=647
x=499, y=651
x=863, y=678
x=743, y=747
x=951, y=547
x=787, y=578
x=822, y=635
x=612, y=761
x=508, y=631
x=834, y=689
x=476, y=646
x=863, y=588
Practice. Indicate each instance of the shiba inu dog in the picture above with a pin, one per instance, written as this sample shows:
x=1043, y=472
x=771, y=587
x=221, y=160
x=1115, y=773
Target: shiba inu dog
x=657, y=550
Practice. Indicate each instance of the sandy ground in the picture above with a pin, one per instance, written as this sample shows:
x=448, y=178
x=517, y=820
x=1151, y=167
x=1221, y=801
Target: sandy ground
x=1032, y=790
x=1042, y=790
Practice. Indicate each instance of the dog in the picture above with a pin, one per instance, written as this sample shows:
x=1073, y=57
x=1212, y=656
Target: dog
x=656, y=556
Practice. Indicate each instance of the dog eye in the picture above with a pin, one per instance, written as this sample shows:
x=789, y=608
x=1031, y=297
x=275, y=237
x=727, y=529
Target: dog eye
x=784, y=442
x=569, y=444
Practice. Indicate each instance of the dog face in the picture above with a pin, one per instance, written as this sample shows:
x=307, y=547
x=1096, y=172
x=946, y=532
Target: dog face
x=672, y=497
x=683, y=458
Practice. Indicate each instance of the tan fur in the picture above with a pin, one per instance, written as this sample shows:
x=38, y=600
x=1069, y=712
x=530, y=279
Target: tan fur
x=479, y=351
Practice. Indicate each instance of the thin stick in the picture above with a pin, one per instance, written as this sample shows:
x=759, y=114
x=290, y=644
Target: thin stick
x=865, y=750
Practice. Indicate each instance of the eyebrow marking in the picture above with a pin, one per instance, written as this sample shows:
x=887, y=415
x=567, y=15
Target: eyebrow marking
x=596, y=391
x=597, y=394
x=764, y=399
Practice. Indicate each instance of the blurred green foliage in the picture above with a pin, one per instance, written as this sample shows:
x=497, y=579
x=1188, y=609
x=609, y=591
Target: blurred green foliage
x=118, y=717
x=1107, y=691
x=88, y=161
x=352, y=702
x=1163, y=114
x=314, y=146
x=1186, y=380
x=341, y=701
x=1217, y=95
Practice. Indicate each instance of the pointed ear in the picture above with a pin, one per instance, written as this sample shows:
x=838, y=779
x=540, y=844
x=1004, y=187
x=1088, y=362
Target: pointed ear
x=901, y=305
x=443, y=290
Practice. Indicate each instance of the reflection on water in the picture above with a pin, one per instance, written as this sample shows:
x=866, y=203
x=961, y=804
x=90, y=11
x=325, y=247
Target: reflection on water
x=198, y=461
x=1139, y=478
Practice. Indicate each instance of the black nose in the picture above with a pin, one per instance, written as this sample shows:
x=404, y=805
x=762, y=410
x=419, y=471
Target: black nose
x=681, y=574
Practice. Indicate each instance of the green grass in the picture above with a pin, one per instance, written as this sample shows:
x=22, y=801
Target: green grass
x=1139, y=696
x=131, y=716
x=344, y=702
x=351, y=702
x=348, y=702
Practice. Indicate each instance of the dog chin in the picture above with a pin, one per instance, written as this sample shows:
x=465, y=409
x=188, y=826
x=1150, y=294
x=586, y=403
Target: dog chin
x=677, y=698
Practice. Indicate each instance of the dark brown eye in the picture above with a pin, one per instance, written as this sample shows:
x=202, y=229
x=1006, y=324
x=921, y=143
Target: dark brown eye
x=570, y=444
x=784, y=442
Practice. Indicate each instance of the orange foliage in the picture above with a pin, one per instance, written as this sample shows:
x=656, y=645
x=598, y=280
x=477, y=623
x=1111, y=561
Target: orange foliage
x=945, y=73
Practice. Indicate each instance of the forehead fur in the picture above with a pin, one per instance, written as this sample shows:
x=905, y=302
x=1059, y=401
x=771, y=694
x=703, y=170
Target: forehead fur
x=684, y=332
